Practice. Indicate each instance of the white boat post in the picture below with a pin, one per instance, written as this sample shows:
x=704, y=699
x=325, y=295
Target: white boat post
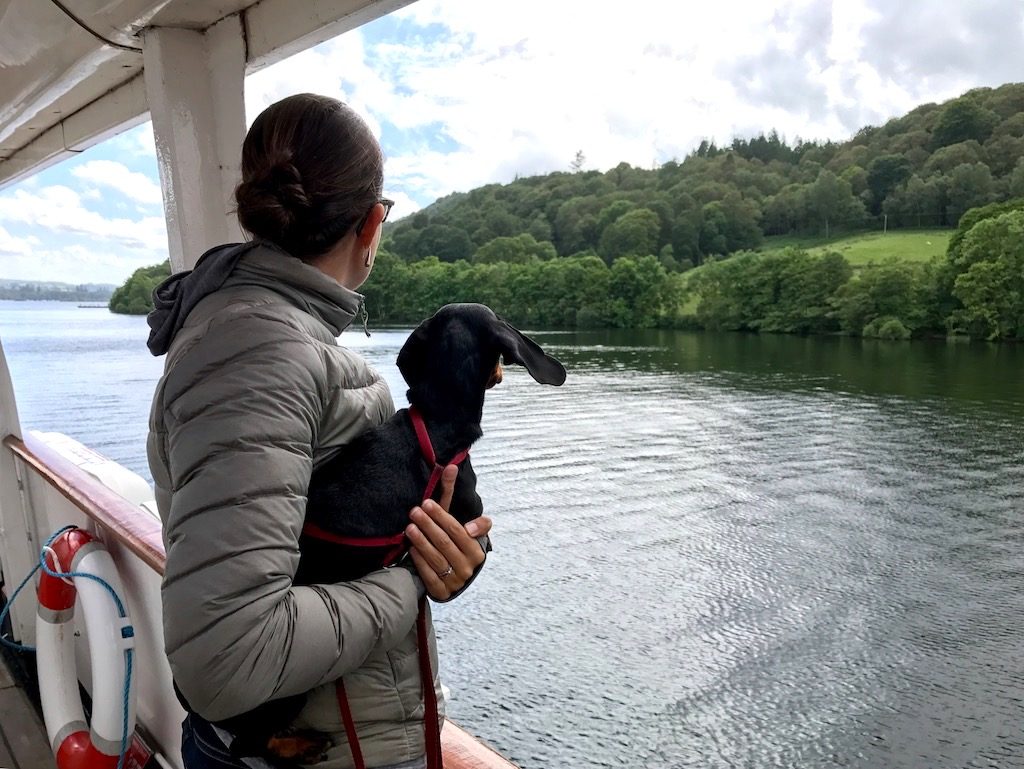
x=19, y=546
x=195, y=91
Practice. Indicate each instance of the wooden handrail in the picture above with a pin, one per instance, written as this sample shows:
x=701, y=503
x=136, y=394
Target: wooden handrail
x=131, y=526
x=141, y=534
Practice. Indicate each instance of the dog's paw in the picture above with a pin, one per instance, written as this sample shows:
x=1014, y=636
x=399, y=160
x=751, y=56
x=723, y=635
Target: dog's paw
x=300, y=746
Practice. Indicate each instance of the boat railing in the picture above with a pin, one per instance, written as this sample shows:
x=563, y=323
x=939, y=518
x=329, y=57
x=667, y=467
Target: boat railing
x=136, y=531
x=56, y=492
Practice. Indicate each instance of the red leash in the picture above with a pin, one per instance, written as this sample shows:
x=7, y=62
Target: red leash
x=431, y=719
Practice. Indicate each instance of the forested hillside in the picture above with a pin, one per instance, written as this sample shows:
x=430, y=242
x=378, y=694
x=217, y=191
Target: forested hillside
x=585, y=248
x=923, y=169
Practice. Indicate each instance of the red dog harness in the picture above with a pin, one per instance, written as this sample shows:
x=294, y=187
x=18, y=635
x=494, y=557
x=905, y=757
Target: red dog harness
x=427, y=449
x=430, y=722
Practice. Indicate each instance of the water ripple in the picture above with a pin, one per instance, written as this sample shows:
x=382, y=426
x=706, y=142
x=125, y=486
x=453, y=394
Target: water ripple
x=709, y=551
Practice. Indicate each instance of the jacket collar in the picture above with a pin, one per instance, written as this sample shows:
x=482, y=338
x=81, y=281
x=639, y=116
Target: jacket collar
x=304, y=286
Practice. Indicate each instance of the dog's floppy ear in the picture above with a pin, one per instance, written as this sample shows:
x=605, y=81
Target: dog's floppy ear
x=516, y=347
x=412, y=358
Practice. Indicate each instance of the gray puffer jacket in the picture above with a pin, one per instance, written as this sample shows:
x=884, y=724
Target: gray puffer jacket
x=256, y=392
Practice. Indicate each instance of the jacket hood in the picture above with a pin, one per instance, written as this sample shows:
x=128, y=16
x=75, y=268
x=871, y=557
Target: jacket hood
x=239, y=264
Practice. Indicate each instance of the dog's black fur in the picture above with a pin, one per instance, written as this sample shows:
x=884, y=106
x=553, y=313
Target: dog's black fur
x=368, y=488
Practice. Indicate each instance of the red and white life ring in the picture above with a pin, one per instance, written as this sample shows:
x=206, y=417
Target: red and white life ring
x=77, y=744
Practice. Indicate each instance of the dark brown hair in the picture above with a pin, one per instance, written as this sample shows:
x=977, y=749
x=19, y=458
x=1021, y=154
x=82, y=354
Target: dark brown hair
x=311, y=169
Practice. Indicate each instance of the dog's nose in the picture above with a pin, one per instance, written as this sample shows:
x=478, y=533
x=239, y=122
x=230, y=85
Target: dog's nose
x=495, y=377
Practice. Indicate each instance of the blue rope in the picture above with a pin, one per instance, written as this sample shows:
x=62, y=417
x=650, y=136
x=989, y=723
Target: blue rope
x=7, y=606
x=126, y=632
x=6, y=610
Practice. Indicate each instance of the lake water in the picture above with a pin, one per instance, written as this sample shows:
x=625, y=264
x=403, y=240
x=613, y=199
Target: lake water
x=710, y=551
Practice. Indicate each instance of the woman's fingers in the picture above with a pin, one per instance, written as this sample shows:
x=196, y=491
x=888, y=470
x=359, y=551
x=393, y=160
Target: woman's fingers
x=448, y=476
x=436, y=587
x=442, y=546
x=438, y=544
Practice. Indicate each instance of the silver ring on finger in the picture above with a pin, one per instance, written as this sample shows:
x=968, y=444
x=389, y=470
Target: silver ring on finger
x=447, y=572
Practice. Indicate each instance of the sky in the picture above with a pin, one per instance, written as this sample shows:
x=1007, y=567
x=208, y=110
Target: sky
x=468, y=92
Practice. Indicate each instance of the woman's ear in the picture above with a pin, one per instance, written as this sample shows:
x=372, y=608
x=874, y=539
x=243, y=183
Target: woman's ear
x=366, y=237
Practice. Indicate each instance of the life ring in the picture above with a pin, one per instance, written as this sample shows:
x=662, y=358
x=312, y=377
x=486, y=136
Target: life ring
x=77, y=744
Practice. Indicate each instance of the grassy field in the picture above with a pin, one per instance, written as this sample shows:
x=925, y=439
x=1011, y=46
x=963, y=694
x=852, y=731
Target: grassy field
x=864, y=248
x=860, y=249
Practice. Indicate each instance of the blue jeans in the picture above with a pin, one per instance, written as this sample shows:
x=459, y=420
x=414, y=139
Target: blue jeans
x=202, y=748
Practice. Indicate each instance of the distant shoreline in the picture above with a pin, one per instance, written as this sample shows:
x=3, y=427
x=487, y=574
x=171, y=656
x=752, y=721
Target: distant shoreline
x=86, y=303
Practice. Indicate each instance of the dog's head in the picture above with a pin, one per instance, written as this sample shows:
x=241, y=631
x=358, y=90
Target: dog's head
x=453, y=356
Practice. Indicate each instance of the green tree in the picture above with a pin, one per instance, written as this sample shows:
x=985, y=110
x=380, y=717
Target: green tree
x=540, y=229
x=405, y=242
x=944, y=160
x=991, y=288
x=970, y=185
x=857, y=178
x=635, y=233
x=517, y=250
x=887, y=289
x=637, y=292
x=908, y=206
x=802, y=289
x=385, y=286
x=886, y=328
x=1002, y=154
x=444, y=241
x=135, y=295
x=830, y=201
x=576, y=225
x=612, y=212
x=743, y=222
x=734, y=294
x=787, y=292
x=885, y=173
x=961, y=120
x=714, y=230
x=1016, y=185
x=784, y=212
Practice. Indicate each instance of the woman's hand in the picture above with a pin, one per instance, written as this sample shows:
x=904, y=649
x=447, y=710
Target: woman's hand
x=445, y=552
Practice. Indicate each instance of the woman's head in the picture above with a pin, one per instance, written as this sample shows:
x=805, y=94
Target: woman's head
x=311, y=171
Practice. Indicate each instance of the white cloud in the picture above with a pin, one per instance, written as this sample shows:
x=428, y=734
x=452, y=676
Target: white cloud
x=72, y=263
x=336, y=68
x=71, y=243
x=136, y=142
x=59, y=209
x=109, y=173
x=516, y=88
x=404, y=204
x=521, y=86
x=15, y=246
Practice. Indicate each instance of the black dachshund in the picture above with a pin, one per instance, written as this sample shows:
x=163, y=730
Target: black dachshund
x=359, y=500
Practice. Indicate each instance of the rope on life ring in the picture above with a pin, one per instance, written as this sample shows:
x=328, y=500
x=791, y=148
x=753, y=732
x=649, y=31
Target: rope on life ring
x=77, y=565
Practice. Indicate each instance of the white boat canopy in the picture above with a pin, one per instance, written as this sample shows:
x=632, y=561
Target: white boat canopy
x=76, y=72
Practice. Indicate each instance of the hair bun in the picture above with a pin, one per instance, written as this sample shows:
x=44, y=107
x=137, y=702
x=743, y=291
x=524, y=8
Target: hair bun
x=273, y=201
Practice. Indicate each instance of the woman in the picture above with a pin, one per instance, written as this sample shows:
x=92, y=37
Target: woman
x=256, y=393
